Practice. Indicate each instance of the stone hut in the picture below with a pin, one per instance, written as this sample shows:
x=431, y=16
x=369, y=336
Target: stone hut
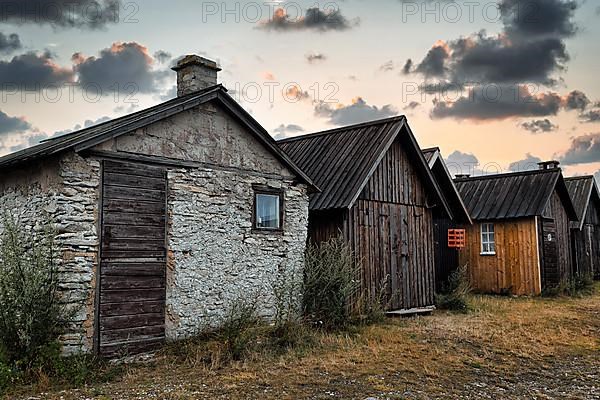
x=164, y=217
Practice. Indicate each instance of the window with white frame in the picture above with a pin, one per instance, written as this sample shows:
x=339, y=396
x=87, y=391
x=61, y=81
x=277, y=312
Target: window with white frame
x=488, y=239
x=268, y=209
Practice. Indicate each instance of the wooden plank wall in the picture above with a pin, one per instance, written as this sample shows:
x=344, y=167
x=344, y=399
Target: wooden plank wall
x=446, y=259
x=556, y=211
x=133, y=259
x=515, y=267
x=394, y=244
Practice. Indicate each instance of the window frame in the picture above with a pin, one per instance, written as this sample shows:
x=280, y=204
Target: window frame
x=487, y=232
x=268, y=191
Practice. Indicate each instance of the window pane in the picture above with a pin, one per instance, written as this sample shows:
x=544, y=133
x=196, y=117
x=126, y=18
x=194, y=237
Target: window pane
x=267, y=211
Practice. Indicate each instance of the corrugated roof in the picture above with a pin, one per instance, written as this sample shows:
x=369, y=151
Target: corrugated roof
x=341, y=161
x=581, y=189
x=87, y=138
x=514, y=195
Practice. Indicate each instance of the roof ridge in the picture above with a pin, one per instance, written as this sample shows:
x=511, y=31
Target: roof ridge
x=343, y=128
x=434, y=148
x=573, y=178
x=508, y=174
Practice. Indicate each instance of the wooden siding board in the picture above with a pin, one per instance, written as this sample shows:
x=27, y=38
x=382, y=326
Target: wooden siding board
x=515, y=262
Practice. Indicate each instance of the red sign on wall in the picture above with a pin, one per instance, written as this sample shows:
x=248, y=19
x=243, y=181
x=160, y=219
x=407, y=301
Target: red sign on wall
x=457, y=238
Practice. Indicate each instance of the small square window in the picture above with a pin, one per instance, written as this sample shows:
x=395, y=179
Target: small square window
x=268, y=210
x=488, y=239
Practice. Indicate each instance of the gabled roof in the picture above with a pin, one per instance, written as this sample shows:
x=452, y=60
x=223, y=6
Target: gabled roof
x=513, y=195
x=438, y=166
x=583, y=190
x=341, y=161
x=90, y=137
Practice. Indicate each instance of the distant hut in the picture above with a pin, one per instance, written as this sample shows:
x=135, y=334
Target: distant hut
x=378, y=191
x=520, y=241
x=585, y=234
x=446, y=257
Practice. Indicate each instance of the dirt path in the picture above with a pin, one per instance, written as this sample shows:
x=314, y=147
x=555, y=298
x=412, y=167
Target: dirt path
x=506, y=349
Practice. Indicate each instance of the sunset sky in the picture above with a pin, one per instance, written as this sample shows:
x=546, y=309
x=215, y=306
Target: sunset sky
x=492, y=82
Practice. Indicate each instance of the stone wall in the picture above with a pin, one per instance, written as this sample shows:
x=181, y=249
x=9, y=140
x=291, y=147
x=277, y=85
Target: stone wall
x=64, y=191
x=216, y=260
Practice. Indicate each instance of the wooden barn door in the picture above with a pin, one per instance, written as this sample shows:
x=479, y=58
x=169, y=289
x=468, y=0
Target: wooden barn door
x=551, y=272
x=131, y=314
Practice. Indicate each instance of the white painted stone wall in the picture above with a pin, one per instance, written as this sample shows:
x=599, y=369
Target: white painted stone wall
x=216, y=260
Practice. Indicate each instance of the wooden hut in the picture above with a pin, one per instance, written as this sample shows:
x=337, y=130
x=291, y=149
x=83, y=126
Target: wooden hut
x=446, y=257
x=585, y=234
x=378, y=191
x=520, y=242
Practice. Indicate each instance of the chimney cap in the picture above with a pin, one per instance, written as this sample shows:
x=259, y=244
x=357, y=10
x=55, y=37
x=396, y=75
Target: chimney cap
x=193, y=59
x=552, y=164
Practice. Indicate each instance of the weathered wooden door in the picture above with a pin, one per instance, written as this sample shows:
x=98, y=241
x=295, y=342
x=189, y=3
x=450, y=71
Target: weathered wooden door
x=551, y=273
x=131, y=312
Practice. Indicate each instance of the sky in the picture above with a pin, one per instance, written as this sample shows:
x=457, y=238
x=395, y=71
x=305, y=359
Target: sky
x=498, y=85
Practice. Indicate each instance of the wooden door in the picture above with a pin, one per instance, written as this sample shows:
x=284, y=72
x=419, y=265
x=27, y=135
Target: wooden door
x=551, y=271
x=131, y=313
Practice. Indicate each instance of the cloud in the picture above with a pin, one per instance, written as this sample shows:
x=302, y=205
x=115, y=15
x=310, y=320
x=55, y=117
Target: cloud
x=539, y=125
x=497, y=103
x=283, y=131
x=433, y=65
x=162, y=56
x=357, y=112
x=85, y=14
x=529, y=163
x=584, y=149
x=33, y=70
x=577, y=100
x=313, y=58
x=10, y=124
x=590, y=116
x=412, y=105
x=315, y=19
x=294, y=94
x=86, y=124
x=530, y=49
x=118, y=67
x=527, y=18
x=407, y=67
x=10, y=43
x=387, y=66
x=462, y=163
x=495, y=59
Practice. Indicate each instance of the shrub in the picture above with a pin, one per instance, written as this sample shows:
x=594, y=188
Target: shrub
x=331, y=282
x=577, y=286
x=31, y=313
x=455, y=292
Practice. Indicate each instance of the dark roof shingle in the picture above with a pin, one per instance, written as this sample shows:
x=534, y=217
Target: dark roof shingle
x=513, y=195
x=341, y=161
x=581, y=189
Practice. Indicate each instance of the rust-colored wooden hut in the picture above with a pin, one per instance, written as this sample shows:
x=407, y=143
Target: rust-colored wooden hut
x=446, y=257
x=520, y=241
x=378, y=191
x=585, y=234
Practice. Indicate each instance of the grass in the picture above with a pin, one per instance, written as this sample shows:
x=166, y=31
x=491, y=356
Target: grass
x=504, y=348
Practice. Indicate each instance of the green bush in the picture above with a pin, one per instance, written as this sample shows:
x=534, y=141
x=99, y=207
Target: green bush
x=331, y=283
x=455, y=292
x=577, y=286
x=31, y=313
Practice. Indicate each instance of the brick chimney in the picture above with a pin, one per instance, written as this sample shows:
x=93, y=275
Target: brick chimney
x=195, y=73
x=544, y=165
